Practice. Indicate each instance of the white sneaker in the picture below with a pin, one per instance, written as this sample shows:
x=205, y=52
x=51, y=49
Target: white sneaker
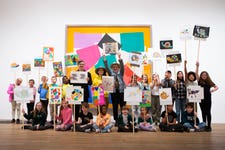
x=87, y=130
x=97, y=130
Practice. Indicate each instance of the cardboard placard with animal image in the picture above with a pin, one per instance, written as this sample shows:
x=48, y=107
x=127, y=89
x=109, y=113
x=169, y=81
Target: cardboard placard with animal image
x=165, y=96
x=201, y=32
x=173, y=59
x=166, y=44
x=195, y=93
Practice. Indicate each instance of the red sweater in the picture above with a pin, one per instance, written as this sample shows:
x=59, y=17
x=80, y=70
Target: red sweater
x=66, y=116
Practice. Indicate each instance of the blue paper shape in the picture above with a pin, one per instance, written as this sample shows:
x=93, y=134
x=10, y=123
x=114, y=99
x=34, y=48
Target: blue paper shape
x=110, y=59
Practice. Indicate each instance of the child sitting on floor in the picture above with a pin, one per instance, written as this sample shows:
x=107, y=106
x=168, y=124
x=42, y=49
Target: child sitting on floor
x=65, y=117
x=169, y=121
x=145, y=120
x=103, y=122
x=85, y=119
x=38, y=117
x=188, y=119
x=125, y=121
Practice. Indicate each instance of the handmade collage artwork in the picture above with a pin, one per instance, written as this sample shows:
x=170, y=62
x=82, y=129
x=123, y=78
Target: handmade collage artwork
x=57, y=68
x=195, y=93
x=132, y=95
x=78, y=77
x=98, y=95
x=26, y=67
x=23, y=94
x=74, y=94
x=55, y=95
x=165, y=96
x=108, y=83
x=39, y=62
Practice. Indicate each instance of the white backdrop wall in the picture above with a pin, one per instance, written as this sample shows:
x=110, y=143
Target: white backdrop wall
x=28, y=25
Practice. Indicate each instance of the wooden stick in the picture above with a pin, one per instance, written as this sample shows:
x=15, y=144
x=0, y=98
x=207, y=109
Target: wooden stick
x=198, y=51
x=74, y=130
x=194, y=114
x=185, y=49
x=175, y=75
x=167, y=120
x=22, y=116
x=133, y=117
x=39, y=74
x=54, y=116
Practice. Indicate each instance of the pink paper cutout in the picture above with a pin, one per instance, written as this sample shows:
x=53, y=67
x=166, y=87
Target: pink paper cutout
x=82, y=40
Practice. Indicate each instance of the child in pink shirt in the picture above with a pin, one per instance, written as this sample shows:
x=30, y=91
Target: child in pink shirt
x=65, y=117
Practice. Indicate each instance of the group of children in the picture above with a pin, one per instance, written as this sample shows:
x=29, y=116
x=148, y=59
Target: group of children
x=185, y=118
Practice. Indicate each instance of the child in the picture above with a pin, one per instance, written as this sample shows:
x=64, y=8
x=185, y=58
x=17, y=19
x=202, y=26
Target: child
x=155, y=102
x=30, y=106
x=118, y=93
x=188, y=119
x=145, y=121
x=85, y=119
x=43, y=91
x=38, y=117
x=65, y=117
x=15, y=105
x=65, y=85
x=125, y=121
x=209, y=87
x=51, y=106
x=180, y=95
x=169, y=121
x=103, y=122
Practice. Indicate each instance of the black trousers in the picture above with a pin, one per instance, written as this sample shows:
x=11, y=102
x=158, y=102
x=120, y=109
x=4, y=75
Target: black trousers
x=121, y=128
x=117, y=98
x=45, y=105
x=30, y=107
x=82, y=129
x=205, y=106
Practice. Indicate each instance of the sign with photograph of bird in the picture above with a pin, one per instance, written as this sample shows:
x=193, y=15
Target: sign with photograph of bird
x=201, y=32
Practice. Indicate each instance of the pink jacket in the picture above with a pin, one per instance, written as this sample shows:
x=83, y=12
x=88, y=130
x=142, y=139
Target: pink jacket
x=10, y=92
x=66, y=116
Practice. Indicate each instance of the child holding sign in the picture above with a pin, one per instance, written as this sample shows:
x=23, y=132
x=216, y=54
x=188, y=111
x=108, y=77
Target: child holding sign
x=188, y=119
x=15, y=105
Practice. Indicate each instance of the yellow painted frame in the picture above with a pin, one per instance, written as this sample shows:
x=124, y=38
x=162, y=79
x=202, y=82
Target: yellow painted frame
x=70, y=30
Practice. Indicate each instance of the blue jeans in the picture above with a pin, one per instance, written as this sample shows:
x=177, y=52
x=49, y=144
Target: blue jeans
x=189, y=126
x=105, y=129
x=180, y=107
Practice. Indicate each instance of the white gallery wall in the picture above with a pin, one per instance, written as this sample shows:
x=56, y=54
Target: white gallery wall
x=28, y=25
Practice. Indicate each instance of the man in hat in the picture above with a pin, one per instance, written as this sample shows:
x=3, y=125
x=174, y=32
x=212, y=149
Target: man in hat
x=117, y=71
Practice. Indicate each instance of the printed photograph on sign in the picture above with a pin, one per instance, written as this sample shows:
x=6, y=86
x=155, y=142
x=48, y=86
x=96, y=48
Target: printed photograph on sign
x=26, y=67
x=201, y=32
x=135, y=59
x=132, y=95
x=166, y=44
x=195, y=93
x=110, y=48
x=39, y=62
x=108, y=83
x=55, y=95
x=23, y=94
x=165, y=96
x=173, y=58
x=71, y=59
x=74, y=94
x=57, y=68
x=78, y=77
x=48, y=53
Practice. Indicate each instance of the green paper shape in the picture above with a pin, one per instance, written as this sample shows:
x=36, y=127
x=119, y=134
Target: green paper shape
x=132, y=42
x=110, y=59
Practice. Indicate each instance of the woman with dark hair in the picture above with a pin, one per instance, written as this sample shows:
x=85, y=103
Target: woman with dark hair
x=209, y=87
x=180, y=95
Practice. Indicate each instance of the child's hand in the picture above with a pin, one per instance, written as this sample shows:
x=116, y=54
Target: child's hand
x=119, y=55
x=185, y=62
x=87, y=79
x=196, y=127
x=126, y=127
x=197, y=64
x=195, y=114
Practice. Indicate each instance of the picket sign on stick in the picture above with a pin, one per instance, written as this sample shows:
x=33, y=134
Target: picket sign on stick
x=22, y=116
x=133, y=117
x=185, y=49
x=194, y=114
x=198, y=50
x=74, y=110
x=167, y=120
x=54, y=117
x=39, y=74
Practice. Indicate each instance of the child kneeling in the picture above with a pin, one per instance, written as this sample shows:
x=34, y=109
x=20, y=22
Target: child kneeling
x=103, y=122
x=188, y=119
x=145, y=120
x=169, y=121
x=125, y=121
